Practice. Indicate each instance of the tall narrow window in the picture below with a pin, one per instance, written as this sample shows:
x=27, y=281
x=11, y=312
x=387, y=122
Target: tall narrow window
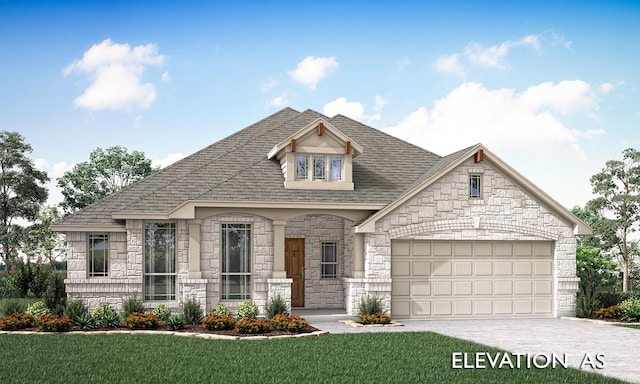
x=302, y=167
x=329, y=260
x=319, y=167
x=98, y=255
x=335, y=168
x=160, y=261
x=236, y=261
x=475, y=188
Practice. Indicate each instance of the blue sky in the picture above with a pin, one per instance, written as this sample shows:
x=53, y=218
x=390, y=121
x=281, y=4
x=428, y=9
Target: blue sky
x=550, y=88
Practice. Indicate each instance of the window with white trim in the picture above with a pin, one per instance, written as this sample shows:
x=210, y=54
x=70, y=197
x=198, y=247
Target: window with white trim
x=98, y=255
x=236, y=261
x=319, y=167
x=160, y=261
x=323, y=167
x=335, y=168
x=302, y=167
x=329, y=264
x=475, y=186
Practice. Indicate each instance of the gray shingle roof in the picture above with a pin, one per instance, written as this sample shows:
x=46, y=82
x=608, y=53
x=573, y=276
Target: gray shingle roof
x=237, y=169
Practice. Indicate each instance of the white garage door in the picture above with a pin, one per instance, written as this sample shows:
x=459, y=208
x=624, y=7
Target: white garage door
x=471, y=279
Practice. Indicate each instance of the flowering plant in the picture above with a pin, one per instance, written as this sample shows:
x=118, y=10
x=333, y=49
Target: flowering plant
x=293, y=323
x=253, y=326
x=54, y=323
x=139, y=320
x=215, y=322
x=375, y=318
x=16, y=321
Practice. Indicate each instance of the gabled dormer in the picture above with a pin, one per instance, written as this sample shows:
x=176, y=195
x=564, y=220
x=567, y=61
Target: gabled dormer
x=318, y=156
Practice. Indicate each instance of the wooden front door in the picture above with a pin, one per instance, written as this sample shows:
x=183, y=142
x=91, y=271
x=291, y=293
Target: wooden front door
x=294, y=265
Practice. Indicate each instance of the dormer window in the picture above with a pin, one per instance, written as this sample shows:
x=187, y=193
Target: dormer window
x=318, y=156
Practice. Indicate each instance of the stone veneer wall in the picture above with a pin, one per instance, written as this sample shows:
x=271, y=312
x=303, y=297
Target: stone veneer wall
x=444, y=211
x=210, y=263
x=319, y=292
x=126, y=260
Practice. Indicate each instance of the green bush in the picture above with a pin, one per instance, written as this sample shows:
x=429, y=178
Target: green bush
x=631, y=309
x=586, y=304
x=11, y=306
x=215, y=322
x=37, y=309
x=84, y=321
x=162, y=312
x=27, y=279
x=276, y=306
x=611, y=298
x=131, y=305
x=220, y=310
x=55, y=296
x=176, y=322
x=75, y=308
x=369, y=305
x=612, y=312
x=105, y=316
x=192, y=311
x=252, y=326
x=247, y=310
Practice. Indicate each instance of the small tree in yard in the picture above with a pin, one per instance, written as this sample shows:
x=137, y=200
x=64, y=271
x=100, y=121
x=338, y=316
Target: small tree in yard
x=618, y=205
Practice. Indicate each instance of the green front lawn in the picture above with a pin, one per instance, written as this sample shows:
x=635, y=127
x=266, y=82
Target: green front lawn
x=637, y=326
x=404, y=357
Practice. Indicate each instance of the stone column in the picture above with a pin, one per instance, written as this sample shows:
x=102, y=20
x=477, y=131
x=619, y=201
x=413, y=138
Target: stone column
x=194, y=250
x=278, y=250
x=358, y=255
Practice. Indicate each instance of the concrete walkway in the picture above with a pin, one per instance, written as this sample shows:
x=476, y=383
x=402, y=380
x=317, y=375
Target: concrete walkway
x=575, y=338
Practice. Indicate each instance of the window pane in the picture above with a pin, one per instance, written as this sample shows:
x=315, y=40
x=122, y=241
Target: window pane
x=302, y=167
x=329, y=263
x=160, y=248
x=328, y=271
x=160, y=287
x=335, y=168
x=474, y=186
x=98, y=255
x=318, y=167
x=328, y=252
x=236, y=287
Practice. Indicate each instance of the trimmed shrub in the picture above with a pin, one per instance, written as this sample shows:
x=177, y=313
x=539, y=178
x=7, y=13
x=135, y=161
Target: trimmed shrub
x=16, y=321
x=11, y=306
x=252, y=326
x=369, y=305
x=105, y=316
x=276, y=306
x=75, y=309
x=162, y=312
x=631, y=309
x=247, y=310
x=138, y=320
x=37, y=309
x=375, y=318
x=220, y=310
x=176, y=322
x=192, y=311
x=612, y=312
x=293, y=323
x=131, y=305
x=54, y=323
x=215, y=322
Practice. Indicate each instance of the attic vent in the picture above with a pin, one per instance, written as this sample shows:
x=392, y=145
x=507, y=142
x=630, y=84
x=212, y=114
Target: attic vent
x=479, y=156
x=320, y=128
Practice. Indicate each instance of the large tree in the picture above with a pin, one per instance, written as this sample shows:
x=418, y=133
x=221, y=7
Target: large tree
x=43, y=242
x=618, y=205
x=22, y=190
x=106, y=172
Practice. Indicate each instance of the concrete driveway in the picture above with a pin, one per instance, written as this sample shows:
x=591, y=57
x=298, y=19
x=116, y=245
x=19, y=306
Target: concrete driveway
x=619, y=346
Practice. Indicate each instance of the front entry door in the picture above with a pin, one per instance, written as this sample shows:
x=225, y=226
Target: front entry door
x=294, y=265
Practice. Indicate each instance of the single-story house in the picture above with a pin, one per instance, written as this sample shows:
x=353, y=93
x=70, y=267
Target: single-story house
x=324, y=211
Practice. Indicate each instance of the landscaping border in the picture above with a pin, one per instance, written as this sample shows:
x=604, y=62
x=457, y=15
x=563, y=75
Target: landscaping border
x=356, y=324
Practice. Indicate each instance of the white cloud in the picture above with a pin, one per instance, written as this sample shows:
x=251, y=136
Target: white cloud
x=115, y=71
x=266, y=87
x=476, y=54
x=167, y=160
x=402, y=62
x=54, y=171
x=501, y=119
x=165, y=77
x=352, y=109
x=278, y=102
x=310, y=70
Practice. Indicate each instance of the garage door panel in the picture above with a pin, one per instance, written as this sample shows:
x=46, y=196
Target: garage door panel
x=463, y=268
x=471, y=278
x=401, y=268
